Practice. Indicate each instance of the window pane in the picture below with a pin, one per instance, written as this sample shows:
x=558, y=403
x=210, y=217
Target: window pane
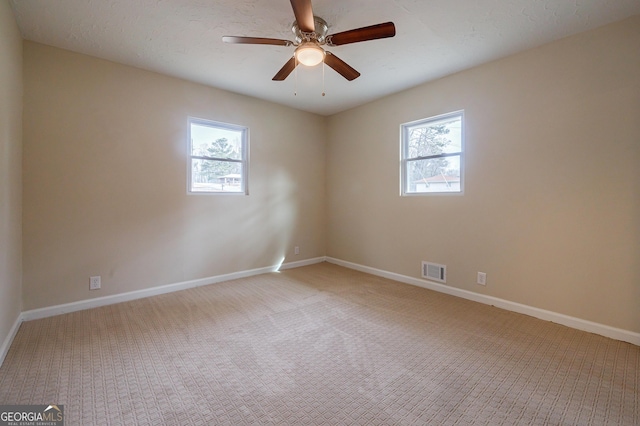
x=433, y=175
x=440, y=138
x=435, y=137
x=219, y=157
x=216, y=142
x=216, y=176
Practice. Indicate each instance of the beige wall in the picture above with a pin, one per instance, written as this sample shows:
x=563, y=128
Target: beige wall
x=105, y=181
x=10, y=170
x=551, y=208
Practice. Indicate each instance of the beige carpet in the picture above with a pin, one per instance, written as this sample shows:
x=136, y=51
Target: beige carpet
x=319, y=345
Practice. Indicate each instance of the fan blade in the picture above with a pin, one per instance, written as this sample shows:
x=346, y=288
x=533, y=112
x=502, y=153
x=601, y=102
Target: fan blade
x=372, y=32
x=256, y=40
x=285, y=70
x=340, y=66
x=304, y=15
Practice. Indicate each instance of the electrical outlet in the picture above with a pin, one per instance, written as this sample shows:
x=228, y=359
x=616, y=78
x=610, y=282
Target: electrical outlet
x=296, y=250
x=94, y=283
x=482, y=278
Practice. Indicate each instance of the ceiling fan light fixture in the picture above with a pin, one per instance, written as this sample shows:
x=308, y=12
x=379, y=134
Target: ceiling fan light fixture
x=309, y=54
x=310, y=35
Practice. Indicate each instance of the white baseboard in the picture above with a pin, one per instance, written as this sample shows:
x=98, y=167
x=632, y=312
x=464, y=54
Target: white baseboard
x=154, y=291
x=577, y=323
x=4, y=349
x=299, y=263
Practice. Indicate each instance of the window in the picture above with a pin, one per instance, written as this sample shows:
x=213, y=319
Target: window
x=431, y=159
x=218, y=157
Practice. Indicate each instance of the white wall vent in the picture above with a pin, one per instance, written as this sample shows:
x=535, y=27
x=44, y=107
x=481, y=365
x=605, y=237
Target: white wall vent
x=434, y=271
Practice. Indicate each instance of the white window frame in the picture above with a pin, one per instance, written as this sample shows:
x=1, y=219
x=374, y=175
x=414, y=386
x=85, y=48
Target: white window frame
x=404, y=148
x=244, y=160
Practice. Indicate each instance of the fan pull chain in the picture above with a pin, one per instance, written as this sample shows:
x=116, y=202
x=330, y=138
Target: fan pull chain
x=295, y=70
x=323, y=78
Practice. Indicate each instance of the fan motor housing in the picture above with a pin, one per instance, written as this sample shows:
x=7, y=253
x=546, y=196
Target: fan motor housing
x=318, y=35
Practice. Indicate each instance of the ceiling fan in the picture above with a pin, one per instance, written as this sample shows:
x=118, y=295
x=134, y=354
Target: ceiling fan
x=310, y=35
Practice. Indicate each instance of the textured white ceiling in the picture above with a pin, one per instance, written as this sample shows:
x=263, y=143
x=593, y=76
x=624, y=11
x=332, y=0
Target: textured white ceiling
x=183, y=38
